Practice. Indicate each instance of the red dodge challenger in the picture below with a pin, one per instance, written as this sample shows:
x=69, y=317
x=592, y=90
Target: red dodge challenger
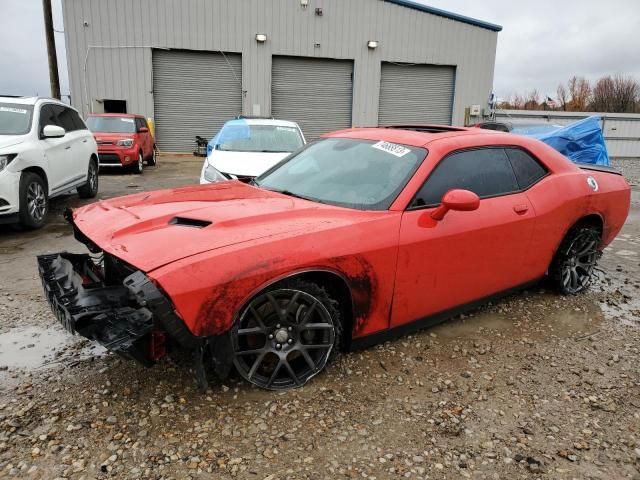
x=362, y=235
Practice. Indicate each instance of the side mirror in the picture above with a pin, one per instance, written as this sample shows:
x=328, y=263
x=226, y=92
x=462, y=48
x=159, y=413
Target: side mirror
x=460, y=200
x=143, y=130
x=53, y=131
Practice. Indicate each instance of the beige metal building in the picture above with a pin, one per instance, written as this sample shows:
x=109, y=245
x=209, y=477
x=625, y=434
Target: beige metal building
x=327, y=64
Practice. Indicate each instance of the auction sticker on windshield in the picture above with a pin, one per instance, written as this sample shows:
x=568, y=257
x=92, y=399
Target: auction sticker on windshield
x=392, y=148
x=13, y=110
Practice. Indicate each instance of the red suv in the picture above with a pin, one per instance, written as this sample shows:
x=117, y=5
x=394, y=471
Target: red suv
x=124, y=140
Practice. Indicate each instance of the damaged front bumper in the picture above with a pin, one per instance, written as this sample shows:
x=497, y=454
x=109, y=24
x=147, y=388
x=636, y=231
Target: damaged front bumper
x=113, y=304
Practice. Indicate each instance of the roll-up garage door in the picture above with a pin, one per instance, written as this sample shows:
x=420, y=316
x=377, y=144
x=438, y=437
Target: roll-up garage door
x=194, y=94
x=416, y=94
x=314, y=92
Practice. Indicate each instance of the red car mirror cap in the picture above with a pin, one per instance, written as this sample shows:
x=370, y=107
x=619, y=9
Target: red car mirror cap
x=456, y=199
x=143, y=130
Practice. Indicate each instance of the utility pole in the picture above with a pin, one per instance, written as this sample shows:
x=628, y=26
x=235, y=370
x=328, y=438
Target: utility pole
x=51, y=49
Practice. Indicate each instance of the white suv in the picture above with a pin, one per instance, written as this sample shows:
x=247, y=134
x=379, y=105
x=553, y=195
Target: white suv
x=45, y=150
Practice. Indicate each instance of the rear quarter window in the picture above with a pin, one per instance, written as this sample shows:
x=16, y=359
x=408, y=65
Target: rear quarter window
x=527, y=169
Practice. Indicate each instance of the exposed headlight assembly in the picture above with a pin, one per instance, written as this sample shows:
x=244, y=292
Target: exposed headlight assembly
x=127, y=142
x=6, y=160
x=212, y=175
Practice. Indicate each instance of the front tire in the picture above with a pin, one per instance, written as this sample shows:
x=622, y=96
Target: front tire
x=34, y=200
x=286, y=335
x=138, y=166
x=572, y=268
x=90, y=189
x=154, y=157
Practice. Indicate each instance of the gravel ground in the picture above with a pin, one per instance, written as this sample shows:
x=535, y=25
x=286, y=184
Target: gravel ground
x=630, y=168
x=534, y=386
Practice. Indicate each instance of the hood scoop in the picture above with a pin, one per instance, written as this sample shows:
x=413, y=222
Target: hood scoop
x=189, y=222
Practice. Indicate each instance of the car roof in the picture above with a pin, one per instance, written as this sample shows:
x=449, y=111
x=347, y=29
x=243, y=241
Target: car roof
x=267, y=121
x=122, y=115
x=31, y=100
x=413, y=135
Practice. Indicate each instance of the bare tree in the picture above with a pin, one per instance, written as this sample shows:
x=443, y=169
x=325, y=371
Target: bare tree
x=563, y=97
x=517, y=102
x=603, y=95
x=580, y=93
x=533, y=101
x=619, y=94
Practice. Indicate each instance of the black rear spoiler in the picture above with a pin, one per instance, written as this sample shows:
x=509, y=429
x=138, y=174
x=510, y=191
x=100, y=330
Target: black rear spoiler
x=599, y=168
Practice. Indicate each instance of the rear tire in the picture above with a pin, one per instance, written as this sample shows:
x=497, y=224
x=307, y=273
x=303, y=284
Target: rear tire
x=571, y=270
x=90, y=189
x=34, y=201
x=286, y=335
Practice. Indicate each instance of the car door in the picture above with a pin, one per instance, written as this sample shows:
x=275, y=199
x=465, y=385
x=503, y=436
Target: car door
x=75, y=161
x=84, y=140
x=466, y=256
x=56, y=150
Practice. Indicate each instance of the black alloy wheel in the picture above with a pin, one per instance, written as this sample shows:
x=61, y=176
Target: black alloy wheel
x=576, y=260
x=286, y=336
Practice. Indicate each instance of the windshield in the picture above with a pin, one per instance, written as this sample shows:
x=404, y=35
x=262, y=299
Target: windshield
x=15, y=118
x=259, y=138
x=362, y=174
x=111, y=124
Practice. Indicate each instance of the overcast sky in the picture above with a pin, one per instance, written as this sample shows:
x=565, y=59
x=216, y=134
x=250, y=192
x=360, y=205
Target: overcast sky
x=543, y=42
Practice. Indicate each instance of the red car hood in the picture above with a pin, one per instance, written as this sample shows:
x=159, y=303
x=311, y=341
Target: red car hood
x=149, y=230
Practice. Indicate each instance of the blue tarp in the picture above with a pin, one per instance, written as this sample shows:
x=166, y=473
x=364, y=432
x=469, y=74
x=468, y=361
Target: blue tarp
x=580, y=142
x=232, y=130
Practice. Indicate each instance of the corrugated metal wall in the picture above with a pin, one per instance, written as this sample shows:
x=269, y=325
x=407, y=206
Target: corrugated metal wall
x=109, y=44
x=621, y=130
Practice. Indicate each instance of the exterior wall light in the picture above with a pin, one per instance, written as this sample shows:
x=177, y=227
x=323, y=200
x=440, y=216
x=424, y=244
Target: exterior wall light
x=304, y=3
x=261, y=37
x=372, y=44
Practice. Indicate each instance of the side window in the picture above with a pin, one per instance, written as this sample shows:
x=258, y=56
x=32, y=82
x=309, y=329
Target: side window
x=528, y=169
x=47, y=117
x=77, y=121
x=486, y=172
x=139, y=124
x=65, y=119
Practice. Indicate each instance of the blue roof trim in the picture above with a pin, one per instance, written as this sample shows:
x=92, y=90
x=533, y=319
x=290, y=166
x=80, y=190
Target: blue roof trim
x=445, y=14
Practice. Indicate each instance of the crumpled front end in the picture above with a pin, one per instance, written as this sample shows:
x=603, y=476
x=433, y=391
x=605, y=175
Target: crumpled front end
x=105, y=300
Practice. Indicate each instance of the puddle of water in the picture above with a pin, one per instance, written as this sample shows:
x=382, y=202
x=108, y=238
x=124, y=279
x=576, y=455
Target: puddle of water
x=560, y=319
x=34, y=347
x=566, y=321
x=471, y=327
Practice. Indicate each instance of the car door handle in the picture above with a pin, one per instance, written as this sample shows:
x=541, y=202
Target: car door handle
x=521, y=209
x=68, y=147
x=84, y=141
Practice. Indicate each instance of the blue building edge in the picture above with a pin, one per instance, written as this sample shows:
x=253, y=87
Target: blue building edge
x=443, y=13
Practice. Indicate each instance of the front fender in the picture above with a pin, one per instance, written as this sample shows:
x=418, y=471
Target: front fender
x=210, y=289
